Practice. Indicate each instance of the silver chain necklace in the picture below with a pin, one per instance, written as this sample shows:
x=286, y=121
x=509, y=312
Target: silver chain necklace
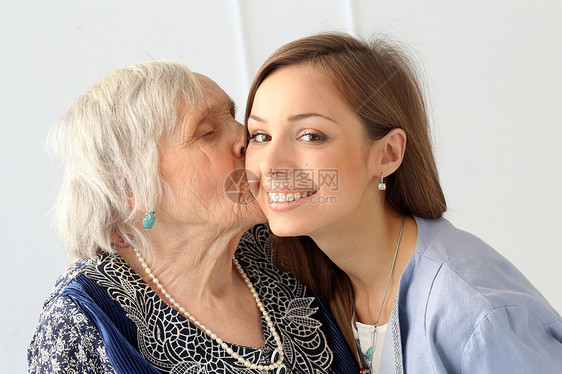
x=368, y=366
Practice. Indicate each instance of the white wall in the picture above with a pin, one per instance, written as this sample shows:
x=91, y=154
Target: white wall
x=493, y=75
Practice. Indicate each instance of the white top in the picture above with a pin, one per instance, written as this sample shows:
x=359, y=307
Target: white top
x=371, y=345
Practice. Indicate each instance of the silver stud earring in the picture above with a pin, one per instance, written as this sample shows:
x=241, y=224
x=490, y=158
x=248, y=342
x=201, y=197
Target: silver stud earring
x=382, y=185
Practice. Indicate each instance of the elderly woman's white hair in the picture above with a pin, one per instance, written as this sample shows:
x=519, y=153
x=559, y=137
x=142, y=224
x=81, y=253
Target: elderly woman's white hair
x=108, y=145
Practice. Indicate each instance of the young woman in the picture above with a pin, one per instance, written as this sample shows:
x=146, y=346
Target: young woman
x=339, y=142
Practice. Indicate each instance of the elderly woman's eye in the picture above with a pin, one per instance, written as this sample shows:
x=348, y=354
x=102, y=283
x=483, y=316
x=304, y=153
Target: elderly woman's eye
x=259, y=137
x=209, y=132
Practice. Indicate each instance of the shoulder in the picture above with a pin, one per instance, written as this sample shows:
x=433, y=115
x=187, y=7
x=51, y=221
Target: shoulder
x=510, y=339
x=66, y=340
x=465, y=266
x=438, y=239
x=456, y=282
x=66, y=278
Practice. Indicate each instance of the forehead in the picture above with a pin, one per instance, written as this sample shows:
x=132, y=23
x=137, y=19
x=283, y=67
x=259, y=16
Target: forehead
x=213, y=96
x=297, y=89
x=214, y=101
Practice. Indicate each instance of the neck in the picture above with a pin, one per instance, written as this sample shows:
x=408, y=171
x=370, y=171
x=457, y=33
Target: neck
x=194, y=262
x=194, y=265
x=364, y=246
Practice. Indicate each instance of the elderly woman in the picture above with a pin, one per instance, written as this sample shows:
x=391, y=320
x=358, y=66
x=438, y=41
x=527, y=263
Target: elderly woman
x=149, y=154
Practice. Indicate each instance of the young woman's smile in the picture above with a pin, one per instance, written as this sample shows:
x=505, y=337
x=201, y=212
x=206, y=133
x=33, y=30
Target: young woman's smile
x=299, y=128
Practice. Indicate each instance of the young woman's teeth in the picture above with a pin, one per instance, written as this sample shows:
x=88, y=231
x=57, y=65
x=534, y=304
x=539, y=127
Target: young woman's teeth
x=279, y=197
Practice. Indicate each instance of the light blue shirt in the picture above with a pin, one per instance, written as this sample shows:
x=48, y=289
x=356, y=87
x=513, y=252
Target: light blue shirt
x=463, y=308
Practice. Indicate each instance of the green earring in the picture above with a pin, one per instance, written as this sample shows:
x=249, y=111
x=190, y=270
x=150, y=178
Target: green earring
x=149, y=220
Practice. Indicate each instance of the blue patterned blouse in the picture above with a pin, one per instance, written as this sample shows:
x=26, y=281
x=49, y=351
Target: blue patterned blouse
x=103, y=318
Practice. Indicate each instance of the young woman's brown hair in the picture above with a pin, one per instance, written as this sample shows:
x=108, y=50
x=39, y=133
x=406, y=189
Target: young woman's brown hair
x=378, y=81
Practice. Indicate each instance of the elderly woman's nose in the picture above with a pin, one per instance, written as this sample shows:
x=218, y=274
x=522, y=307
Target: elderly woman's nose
x=239, y=149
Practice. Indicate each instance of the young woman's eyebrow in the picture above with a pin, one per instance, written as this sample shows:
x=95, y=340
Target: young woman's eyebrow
x=296, y=117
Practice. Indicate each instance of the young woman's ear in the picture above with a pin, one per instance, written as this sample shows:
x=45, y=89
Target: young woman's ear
x=388, y=153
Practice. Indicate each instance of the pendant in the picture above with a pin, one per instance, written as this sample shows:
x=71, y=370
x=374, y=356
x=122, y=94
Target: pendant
x=365, y=370
x=369, y=355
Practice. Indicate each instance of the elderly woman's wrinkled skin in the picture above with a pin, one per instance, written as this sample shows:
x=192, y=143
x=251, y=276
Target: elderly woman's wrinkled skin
x=197, y=220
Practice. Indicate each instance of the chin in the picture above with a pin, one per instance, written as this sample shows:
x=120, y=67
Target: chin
x=287, y=227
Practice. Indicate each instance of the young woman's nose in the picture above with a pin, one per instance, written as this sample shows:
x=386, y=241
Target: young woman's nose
x=277, y=160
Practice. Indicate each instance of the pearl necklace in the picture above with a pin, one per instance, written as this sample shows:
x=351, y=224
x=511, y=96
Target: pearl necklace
x=211, y=334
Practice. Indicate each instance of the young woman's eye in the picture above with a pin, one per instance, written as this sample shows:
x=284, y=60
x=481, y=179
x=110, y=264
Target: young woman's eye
x=258, y=137
x=312, y=137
